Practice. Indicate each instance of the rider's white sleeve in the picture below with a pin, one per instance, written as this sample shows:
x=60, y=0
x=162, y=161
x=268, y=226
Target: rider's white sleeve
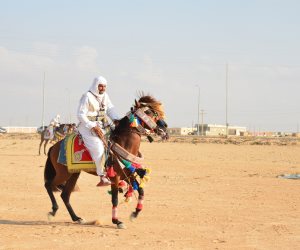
x=112, y=114
x=82, y=112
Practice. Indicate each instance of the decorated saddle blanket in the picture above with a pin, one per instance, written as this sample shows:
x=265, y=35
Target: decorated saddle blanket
x=48, y=134
x=75, y=155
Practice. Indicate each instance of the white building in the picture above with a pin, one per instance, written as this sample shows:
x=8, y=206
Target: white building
x=215, y=130
x=21, y=129
x=209, y=130
x=181, y=131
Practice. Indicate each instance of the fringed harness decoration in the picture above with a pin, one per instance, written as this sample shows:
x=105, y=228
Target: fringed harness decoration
x=116, y=148
x=138, y=120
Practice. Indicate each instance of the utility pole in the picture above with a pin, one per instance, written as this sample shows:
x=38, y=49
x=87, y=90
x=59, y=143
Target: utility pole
x=43, y=111
x=226, y=83
x=198, y=110
x=198, y=125
x=202, y=125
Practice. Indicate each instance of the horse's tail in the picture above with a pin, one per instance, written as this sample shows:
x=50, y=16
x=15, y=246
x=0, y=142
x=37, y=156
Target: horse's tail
x=49, y=172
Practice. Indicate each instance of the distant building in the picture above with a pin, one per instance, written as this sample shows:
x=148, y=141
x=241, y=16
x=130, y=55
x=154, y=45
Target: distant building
x=215, y=130
x=181, y=131
x=210, y=130
x=21, y=129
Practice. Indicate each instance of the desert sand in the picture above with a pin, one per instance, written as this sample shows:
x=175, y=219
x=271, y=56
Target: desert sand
x=200, y=196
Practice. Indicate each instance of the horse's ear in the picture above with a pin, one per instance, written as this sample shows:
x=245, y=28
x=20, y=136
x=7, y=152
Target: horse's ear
x=137, y=104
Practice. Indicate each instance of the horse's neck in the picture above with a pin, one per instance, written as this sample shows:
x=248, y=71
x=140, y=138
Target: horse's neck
x=124, y=136
x=131, y=143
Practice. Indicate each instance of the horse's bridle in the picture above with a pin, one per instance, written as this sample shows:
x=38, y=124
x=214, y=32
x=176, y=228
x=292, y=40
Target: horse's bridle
x=148, y=124
x=159, y=125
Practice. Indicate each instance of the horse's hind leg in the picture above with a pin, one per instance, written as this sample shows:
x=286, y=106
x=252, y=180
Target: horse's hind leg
x=49, y=175
x=66, y=193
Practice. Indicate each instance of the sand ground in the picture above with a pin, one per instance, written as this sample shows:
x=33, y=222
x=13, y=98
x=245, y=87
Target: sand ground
x=200, y=196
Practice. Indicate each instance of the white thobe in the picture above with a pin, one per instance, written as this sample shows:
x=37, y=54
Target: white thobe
x=90, y=106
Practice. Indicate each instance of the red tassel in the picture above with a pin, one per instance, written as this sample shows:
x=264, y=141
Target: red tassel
x=136, y=165
x=111, y=172
x=129, y=192
x=122, y=183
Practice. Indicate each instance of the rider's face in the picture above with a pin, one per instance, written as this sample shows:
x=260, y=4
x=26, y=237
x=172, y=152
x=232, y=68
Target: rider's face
x=101, y=88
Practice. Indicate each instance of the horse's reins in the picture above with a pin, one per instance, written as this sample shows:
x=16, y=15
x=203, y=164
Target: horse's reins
x=107, y=145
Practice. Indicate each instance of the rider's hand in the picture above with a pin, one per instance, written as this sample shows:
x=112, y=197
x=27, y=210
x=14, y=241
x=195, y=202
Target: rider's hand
x=98, y=131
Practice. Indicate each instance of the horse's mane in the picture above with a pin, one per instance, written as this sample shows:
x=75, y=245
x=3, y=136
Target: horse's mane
x=150, y=101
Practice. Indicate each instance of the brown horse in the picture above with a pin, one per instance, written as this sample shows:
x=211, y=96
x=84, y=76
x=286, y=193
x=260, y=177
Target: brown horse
x=126, y=136
x=59, y=133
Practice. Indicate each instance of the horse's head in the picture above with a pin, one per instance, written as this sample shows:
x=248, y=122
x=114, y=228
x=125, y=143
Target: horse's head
x=154, y=110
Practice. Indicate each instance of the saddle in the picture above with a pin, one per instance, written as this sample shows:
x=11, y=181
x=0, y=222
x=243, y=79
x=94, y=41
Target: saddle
x=75, y=155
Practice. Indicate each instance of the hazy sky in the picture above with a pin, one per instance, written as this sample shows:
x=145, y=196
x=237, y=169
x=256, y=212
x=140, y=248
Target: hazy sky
x=168, y=48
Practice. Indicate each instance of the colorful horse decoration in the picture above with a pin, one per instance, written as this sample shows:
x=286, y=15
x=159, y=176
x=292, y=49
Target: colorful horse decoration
x=123, y=163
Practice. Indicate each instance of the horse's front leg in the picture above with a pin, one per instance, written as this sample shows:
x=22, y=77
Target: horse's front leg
x=139, y=206
x=40, y=147
x=45, y=145
x=114, y=201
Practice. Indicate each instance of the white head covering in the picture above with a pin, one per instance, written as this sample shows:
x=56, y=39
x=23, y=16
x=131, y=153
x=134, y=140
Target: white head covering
x=57, y=116
x=94, y=88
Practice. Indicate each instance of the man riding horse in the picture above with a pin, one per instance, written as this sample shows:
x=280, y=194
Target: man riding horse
x=124, y=160
x=95, y=105
x=49, y=131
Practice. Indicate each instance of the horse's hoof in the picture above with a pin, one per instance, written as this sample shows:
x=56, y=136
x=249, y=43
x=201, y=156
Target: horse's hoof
x=50, y=216
x=133, y=216
x=81, y=221
x=121, y=226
